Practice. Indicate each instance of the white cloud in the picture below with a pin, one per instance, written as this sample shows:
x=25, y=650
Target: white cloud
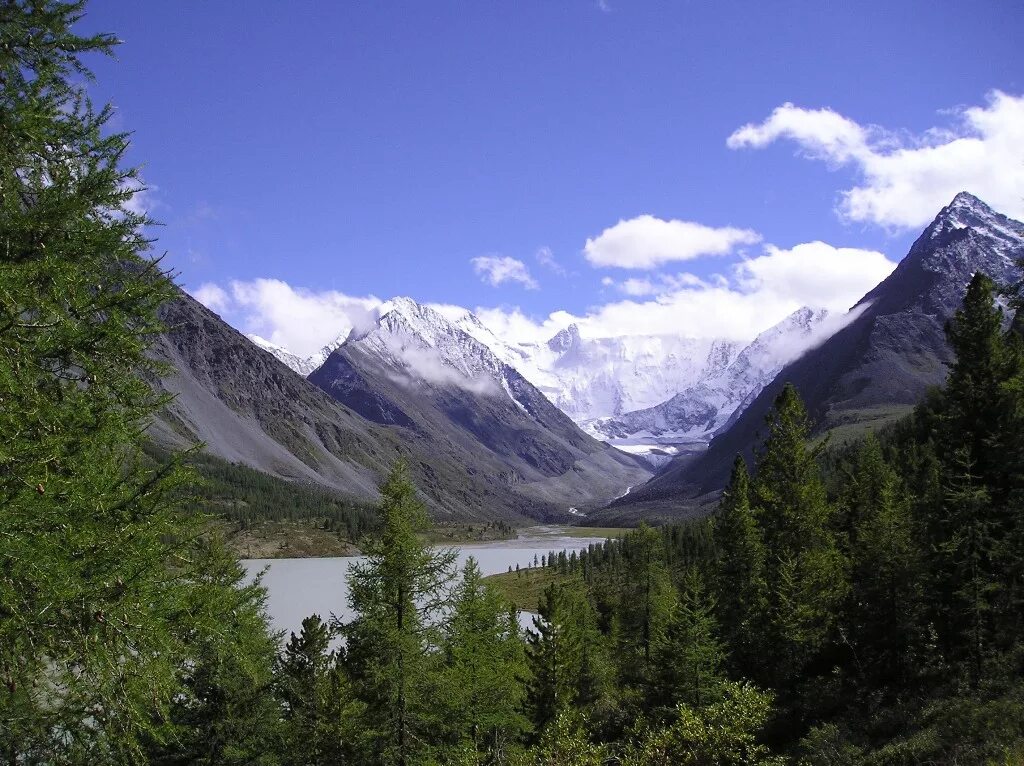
x=299, y=320
x=495, y=269
x=637, y=287
x=513, y=325
x=646, y=242
x=427, y=364
x=759, y=293
x=657, y=285
x=815, y=274
x=212, y=296
x=546, y=259
x=756, y=294
x=822, y=133
x=904, y=180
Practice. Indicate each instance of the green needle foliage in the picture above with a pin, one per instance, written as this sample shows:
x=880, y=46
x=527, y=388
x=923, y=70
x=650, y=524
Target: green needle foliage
x=567, y=655
x=320, y=714
x=804, y=569
x=879, y=604
x=484, y=668
x=393, y=643
x=740, y=570
x=104, y=598
x=688, y=654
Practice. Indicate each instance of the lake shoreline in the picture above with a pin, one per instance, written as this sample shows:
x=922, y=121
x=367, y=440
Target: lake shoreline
x=300, y=586
x=271, y=540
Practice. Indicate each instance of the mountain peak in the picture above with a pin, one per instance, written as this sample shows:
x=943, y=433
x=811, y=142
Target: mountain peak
x=565, y=339
x=400, y=304
x=297, y=363
x=966, y=200
x=968, y=212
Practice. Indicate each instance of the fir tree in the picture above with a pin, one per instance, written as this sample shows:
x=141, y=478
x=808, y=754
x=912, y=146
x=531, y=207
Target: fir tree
x=886, y=572
x=689, y=656
x=645, y=605
x=97, y=560
x=397, y=595
x=976, y=387
x=965, y=561
x=566, y=655
x=740, y=583
x=482, y=680
x=975, y=525
x=318, y=710
x=804, y=570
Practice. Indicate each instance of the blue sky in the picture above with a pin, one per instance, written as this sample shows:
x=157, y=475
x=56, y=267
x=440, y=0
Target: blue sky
x=360, y=149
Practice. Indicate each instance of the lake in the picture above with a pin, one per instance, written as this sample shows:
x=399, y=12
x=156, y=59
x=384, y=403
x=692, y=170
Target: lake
x=297, y=588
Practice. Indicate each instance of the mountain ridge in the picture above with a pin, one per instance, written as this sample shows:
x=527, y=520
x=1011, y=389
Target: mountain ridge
x=247, y=407
x=416, y=370
x=874, y=369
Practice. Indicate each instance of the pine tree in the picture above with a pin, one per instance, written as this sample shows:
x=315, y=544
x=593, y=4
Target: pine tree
x=645, y=605
x=965, y=561
x=977, y=527
x=740, y=572
x=975, y=388
x=482, y=689
x=397, y=596
x=318, y=711
x=804, y=572
x=689, y=656
x=96, y=560
x=566, y=655
x=886, y=572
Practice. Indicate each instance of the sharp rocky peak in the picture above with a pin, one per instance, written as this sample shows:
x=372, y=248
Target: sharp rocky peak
x=401, y=304
x=968, y=212
x=402, y=314
x=566, y=339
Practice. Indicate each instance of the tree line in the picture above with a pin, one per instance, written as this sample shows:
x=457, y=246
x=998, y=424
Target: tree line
x=843, y=606
x=859, y=605
x=246, y=496
x=873, y=590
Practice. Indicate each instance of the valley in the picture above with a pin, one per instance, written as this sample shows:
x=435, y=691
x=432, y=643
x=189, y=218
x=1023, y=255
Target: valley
x=518, y=433
x=299, y=587
x=531, y=384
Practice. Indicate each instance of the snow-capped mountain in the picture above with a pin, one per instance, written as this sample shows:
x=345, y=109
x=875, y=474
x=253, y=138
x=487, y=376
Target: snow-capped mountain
x=877, y=366
x=696, y=413
x=589, y=378
x=417, y=370
x=611, y=376
x=420, y=344
x=303, y=366
x=641, y=393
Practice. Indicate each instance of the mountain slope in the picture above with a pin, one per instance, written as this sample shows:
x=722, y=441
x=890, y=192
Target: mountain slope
x=418, y=372
x=878, y=366
x=249, y=408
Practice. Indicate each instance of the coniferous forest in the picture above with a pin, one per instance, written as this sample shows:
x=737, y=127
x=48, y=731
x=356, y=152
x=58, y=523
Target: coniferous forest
x=846, y=604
